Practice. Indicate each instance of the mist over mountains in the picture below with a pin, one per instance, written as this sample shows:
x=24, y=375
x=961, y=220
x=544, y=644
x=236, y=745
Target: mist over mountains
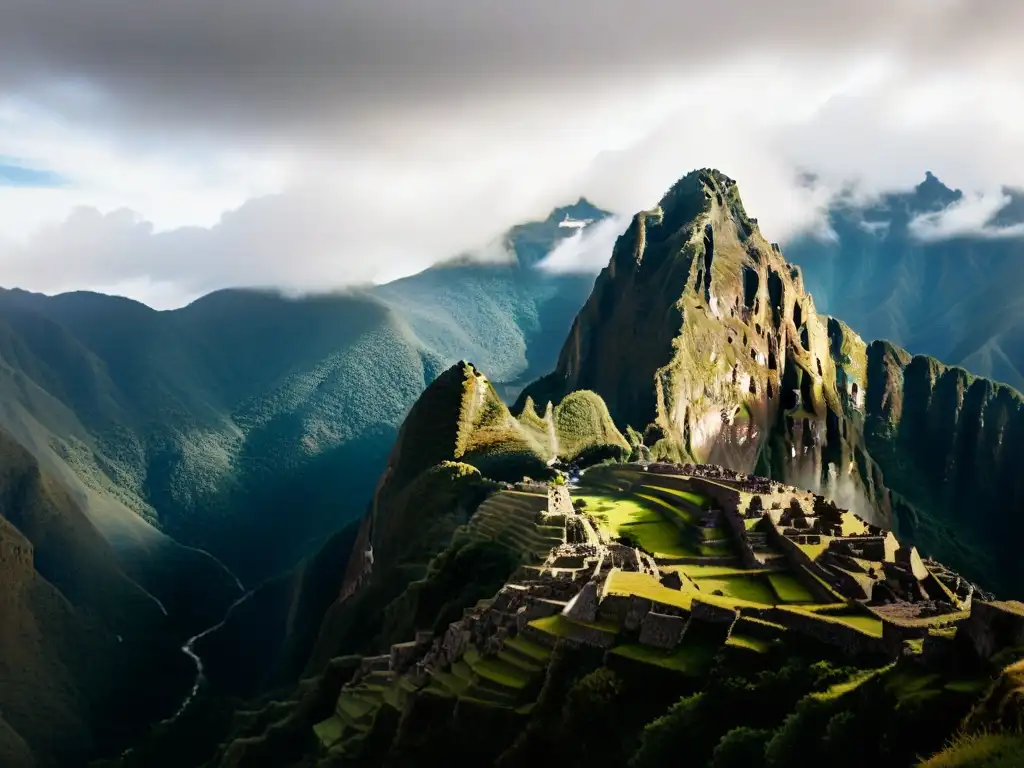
x=932, y=269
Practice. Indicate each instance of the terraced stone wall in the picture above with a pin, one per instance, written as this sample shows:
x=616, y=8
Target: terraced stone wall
x=848, y=639
x=660, y=631
x=995, y=625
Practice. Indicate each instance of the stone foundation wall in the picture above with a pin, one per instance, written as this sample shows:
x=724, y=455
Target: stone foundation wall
x=893, y=636
x=751, y=627
x=614, y=608
x=726, y=499
x=798, y=560
x=994, y=625
x=736, y=524
x=851, y=641
x=660, y=631
x=534, y=608
x=712, y=614
x=583, y=607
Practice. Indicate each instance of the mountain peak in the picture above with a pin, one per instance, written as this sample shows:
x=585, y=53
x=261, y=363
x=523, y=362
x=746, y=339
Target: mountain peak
x=533, y=240
x=932, y=195
x=581, y=209
x=698, y=192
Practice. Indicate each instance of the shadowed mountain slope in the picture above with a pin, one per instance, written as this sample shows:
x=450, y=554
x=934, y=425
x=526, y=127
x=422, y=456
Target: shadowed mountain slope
x=87, y=657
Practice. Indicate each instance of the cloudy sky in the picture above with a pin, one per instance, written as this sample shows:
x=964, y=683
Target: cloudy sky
x=163, y=149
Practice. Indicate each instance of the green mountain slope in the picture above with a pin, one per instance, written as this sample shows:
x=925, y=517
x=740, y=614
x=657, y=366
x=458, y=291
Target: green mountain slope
x=458, y=433
x=956, y=299
x=249, y=417
x=951, y=447
x=87, y=657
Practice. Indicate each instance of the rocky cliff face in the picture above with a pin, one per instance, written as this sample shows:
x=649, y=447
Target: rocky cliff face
x=700, y=327
x=950, y=445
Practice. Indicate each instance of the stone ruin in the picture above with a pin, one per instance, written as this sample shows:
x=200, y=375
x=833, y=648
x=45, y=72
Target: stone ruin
x=870, y=567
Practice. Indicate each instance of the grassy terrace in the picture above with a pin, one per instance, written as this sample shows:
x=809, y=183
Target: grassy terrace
x=664, y=521
x=746, y=642
x=868, y=624
x=644, y=585
x=789, y=589
x=561, y=626
x=624, y=516
x=650, y=480
x=691, y=658
x=755, y=589
x=497, y=670
x=704, y=571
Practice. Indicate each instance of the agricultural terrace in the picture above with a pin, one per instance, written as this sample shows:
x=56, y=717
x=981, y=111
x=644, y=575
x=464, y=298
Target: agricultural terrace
x=661, y=515
x=666, y=522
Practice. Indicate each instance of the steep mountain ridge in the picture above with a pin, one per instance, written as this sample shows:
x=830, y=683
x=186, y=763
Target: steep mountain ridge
x=699, y=327
x=951, y=445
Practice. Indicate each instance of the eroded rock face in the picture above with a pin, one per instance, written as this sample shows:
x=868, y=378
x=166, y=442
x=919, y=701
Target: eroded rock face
x=951, y=445
x=699, y=325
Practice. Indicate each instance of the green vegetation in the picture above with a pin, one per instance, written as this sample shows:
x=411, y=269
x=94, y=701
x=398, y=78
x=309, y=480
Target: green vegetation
x=697, y=724
x=583, y=426
x=491, y=439
x=456, y=579
x=754, y=589
x=861, y=621
x=689, y=658
x=789, y=588
x=984, y=750
x=624, y=516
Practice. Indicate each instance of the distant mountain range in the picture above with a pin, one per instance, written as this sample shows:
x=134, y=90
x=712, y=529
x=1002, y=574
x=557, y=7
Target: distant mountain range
x=956, y=298
x=249, y=417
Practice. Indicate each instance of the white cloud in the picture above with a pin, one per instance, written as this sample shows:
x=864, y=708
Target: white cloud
x=586, y=251
x=281, y=157
x=970, y=217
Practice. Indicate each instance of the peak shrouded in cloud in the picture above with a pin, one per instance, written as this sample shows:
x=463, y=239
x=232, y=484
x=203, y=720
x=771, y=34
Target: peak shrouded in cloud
x=310, y=145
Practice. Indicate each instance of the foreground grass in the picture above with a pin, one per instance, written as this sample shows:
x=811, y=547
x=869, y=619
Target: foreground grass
x=986, y=750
